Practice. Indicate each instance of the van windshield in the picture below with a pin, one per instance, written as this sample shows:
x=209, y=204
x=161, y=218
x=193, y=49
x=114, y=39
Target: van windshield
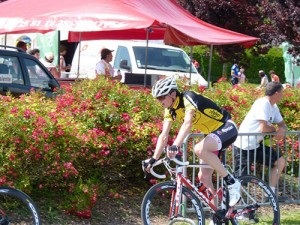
x=163, y=59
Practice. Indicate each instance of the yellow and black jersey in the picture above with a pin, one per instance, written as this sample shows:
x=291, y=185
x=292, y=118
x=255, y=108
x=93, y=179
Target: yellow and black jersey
x=208, y=116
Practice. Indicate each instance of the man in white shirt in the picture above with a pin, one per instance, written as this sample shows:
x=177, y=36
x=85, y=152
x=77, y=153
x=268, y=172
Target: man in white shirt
x=261, y=117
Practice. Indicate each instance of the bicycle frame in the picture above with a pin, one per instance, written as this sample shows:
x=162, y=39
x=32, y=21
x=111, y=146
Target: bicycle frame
x=180, y=180
x=177, y=209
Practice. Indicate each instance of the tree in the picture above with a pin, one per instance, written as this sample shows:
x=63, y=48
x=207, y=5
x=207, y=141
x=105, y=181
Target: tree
x=273, y=21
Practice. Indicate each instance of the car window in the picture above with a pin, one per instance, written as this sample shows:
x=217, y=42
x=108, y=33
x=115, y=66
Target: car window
x=10, y=70
x=37, y=75
x=122, y=58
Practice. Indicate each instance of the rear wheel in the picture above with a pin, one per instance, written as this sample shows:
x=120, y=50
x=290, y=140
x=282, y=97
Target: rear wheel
x=258, y=203
x=17, y=208
x=155, y=209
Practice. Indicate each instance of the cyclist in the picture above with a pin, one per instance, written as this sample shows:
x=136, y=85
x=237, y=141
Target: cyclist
x=196, y=111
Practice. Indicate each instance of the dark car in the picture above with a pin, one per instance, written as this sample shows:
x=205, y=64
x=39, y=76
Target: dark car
x=20, y=72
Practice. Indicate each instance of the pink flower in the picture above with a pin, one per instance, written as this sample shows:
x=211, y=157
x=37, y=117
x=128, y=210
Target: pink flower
x=14, y=110
x=68, y=165
x=125, y=116
x=26, y=151
x=27, y=114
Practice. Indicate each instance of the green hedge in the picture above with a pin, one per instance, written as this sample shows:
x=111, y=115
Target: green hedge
x=271, y=61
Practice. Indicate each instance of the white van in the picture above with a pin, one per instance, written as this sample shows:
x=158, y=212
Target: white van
x=130, y=59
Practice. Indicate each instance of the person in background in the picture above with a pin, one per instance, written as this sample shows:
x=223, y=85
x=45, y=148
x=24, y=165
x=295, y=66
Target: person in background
x=235, y=74
x=22, y=45
x=261, y=117
x=264, y=79
x=242, y=76
x=103, y=67
x=274, y=77
x=35, y=52
x=196, y=111
x=196, y=64
x=48, y=63
x=62, y=63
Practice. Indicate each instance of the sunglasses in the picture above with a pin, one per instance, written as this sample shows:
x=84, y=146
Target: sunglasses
x=161, y=98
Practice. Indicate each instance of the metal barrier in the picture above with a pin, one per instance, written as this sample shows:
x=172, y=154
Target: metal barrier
x=289, y=182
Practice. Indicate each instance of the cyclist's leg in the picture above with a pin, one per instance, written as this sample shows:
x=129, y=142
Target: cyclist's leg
x=205, y=150
x=205, y=176
x=156, y=207
x=217, y=140
x=258, y=203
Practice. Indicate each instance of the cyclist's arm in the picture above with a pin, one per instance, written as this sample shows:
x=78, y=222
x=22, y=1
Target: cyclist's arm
x=162, y=139
x=185, y=127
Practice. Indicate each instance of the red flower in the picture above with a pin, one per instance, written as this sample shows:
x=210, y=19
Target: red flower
x=234, y=98
x=125, y=116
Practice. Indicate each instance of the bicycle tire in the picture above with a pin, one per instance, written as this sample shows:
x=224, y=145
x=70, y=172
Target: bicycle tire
x=255, y=191
x=156, y=204
x=16, y=207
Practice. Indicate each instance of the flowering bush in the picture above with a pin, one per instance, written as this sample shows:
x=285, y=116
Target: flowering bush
x=97, y=130
x=95, y=133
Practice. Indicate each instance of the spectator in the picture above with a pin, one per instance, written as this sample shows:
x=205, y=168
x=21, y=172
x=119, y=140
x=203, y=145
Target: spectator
x=274, y=77
x=196, y=64
x=104, y=67
x=35, y=52
x=234, y=74
x=48, y=63
x=261, y=117
x=62, y=63
x=242, y=76
x=22, y=45
x=264, y=79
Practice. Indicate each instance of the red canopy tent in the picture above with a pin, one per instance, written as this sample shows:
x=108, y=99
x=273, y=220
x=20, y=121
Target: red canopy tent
x=115, y=19
x=177, y=25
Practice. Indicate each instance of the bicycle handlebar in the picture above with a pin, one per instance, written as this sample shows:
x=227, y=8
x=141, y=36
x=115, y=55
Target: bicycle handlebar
x=160, y=161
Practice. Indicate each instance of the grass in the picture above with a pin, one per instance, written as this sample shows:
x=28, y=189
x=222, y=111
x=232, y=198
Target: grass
x=290, y=214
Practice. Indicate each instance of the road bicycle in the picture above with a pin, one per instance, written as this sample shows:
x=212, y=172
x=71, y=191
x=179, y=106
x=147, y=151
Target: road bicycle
x=16, y=207
x=181, y=202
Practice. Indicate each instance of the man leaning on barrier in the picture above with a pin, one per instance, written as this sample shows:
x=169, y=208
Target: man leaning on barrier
x=264, y=116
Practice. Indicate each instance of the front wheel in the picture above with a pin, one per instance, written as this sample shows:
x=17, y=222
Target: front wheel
x=157, y=206
x=258, y=203
x=17, y=207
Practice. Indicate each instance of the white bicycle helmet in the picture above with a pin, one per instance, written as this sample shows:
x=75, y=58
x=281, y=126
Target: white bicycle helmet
x=163, y=87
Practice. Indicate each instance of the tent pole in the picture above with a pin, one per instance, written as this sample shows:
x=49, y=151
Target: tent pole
x=146, y=57
x=209, y=67
x=191, y=61
x=79, y=53
x=5, y=39
x=58, y=54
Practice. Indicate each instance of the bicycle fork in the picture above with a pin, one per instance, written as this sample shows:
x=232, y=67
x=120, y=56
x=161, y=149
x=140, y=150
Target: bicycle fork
x=176, y=208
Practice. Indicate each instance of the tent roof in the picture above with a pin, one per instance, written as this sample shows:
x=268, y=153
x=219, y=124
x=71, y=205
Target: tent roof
x=115, y=19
